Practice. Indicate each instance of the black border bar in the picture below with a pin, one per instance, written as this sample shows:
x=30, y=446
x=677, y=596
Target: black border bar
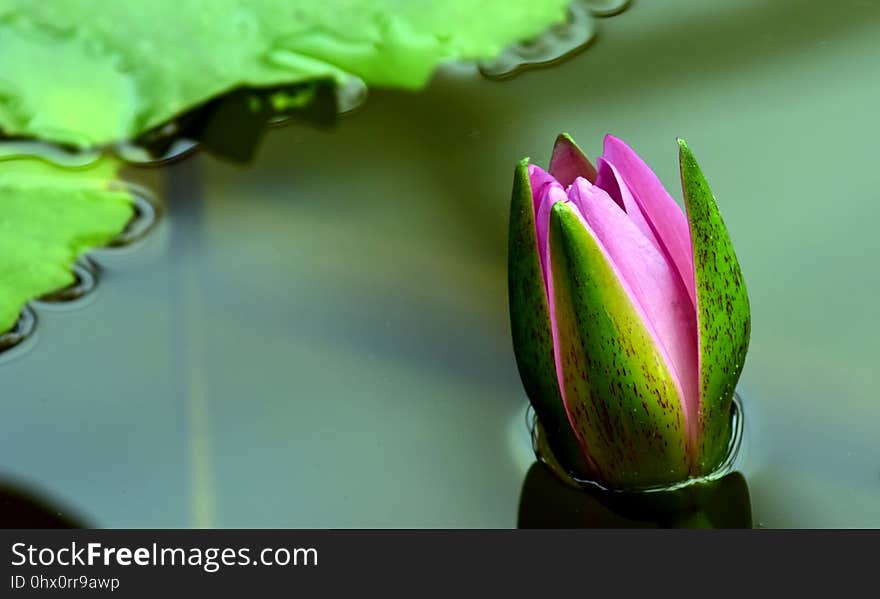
x=460, y=563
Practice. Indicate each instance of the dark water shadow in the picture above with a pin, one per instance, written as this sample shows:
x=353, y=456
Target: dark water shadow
x=547, y=502
x=24, y=507
x=231, y=126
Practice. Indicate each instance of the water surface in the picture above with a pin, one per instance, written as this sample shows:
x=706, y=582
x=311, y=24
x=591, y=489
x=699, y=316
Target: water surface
x=321, y=339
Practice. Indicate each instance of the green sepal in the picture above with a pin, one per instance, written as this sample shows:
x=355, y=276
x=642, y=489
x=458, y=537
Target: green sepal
x=723, y=314
x=531, y=329
x=621, y=396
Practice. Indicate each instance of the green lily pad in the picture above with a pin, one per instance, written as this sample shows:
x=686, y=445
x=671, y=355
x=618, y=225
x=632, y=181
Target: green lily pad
x=90, y=72
x=49, y=216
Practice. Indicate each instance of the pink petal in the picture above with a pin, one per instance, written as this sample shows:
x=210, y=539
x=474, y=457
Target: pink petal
x=568, y=162
x=654, y=286
x=546, y=191
x=662, y=214
x=539, y=179
x=610, y=180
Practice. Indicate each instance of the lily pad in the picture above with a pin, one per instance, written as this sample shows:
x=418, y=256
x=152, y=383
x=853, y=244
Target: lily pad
x=49, y=216
x=90, y=72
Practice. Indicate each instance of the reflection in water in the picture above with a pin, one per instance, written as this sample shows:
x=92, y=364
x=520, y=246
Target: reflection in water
x=542, y=446
x=547, y=502
x=21, y=507
x=185, y=201
x=253, y=110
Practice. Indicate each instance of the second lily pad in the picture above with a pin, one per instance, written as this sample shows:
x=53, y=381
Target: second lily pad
x=49, y=216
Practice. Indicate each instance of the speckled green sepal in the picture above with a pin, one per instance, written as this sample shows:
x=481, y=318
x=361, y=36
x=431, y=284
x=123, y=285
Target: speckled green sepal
x=530, y=325
x=620, y=394
x=722, y=311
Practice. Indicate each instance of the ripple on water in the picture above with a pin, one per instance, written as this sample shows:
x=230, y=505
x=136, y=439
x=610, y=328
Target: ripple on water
x=557, y=43
x=147, y=210
x=23, y=330
x=48, y=153
x=85, y=273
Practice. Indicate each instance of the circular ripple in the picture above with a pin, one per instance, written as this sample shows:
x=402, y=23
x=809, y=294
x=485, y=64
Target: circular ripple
x=86, y=273
x=543, y=454
x=177, y=150
x=607, y=8
x=23, y=329
x=146, y=214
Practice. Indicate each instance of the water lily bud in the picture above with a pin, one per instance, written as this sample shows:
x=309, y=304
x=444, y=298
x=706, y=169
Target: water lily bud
x=630, y=318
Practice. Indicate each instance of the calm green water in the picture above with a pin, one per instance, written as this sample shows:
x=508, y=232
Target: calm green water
x=321, y=339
